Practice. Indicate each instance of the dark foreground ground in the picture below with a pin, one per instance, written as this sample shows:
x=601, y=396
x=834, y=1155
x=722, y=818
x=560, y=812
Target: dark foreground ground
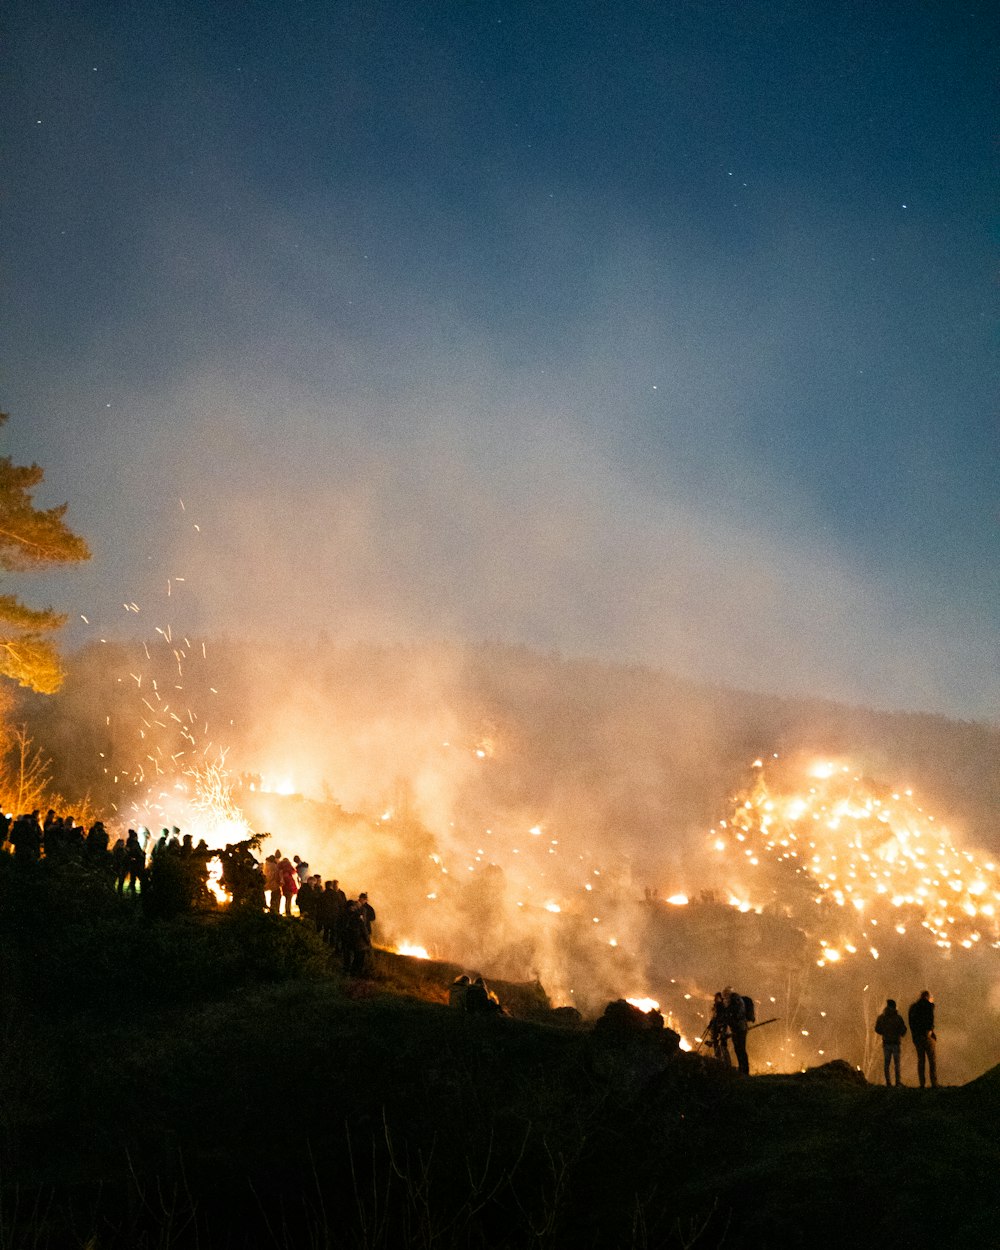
x=218, y=1084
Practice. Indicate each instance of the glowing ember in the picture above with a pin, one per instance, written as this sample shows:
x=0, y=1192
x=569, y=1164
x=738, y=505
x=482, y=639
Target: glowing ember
x=553, y=907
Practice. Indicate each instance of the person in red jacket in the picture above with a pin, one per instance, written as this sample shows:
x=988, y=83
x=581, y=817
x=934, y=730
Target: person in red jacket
x=289, y=883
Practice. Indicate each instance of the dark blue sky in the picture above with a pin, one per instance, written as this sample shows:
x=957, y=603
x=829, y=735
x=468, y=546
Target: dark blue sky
x=661, y=331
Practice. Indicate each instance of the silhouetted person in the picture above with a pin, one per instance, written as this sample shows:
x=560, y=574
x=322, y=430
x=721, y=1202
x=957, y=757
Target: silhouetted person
x=310, y=893
x=272, y=881
x=357, y=939
x=891, y=1029
x=331, y=915
x=26, y=838
x=242, y=877
x=119, y=864
x=480, y=998
x=324, y=911
x=718, y=1031
x=57, y=835
x=97, y=844
x=736, y=1018
x=341, y=917
x=921, y=1017
x=135, y=861
x=367, y=914
x=477, y=998
x=458, y=992
x=75, y=840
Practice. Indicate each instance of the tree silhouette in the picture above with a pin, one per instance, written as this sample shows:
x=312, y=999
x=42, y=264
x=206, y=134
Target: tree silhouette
x=30, y=539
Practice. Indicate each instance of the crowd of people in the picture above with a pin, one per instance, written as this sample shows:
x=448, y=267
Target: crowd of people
x=346, y=924
x=172, y=874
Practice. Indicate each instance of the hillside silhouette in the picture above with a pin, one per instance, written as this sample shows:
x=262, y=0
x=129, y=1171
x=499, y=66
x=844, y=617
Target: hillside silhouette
x=216, y=1080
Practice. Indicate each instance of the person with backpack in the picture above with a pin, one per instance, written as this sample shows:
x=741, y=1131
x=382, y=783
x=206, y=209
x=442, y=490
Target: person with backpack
x=736, y=1017
x=891, y=1029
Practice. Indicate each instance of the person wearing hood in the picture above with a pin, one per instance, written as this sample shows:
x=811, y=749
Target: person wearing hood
x=891, y=1028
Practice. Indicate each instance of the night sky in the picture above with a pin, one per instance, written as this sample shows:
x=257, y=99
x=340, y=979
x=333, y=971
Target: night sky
x=661, y=332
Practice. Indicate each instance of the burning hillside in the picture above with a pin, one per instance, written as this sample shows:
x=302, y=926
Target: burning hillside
x=868, y=859
x=532, y=817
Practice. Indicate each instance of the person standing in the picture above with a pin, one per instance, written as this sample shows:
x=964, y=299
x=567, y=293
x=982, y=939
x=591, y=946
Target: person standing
x=272, y=881
x=921, y=1017
x=337, y=911
x=119, y=863
x=367, y=914
x=891, y=1029
x=357, y=939
x=135, y=863
x=310, y=892
x=718, y=1031
x=289, y=883
x=736, y=1018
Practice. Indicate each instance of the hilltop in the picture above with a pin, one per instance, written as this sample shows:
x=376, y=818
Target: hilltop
x=214, y=1080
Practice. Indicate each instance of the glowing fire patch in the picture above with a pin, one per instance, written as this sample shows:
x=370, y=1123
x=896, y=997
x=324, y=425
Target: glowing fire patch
x=411, y=949
x=280, y=785
x=214, y=882
x=678, y=900
x=644, y=1004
